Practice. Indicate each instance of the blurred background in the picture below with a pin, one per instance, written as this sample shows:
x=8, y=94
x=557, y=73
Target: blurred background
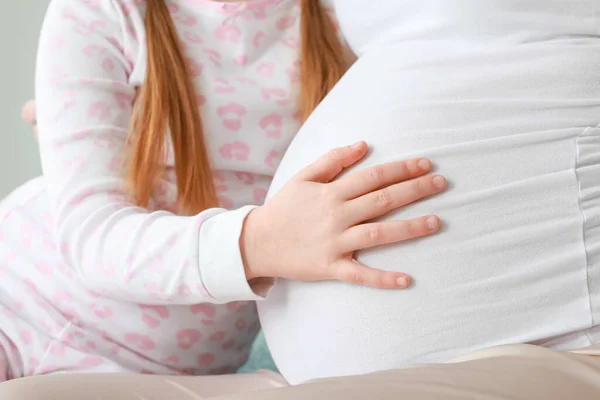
x=20, y=23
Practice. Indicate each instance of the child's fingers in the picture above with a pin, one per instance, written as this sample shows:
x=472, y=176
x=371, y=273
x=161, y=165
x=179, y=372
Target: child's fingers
x=28, y=113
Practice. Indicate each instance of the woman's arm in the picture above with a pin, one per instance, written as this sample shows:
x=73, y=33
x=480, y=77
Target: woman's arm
x=84, y=104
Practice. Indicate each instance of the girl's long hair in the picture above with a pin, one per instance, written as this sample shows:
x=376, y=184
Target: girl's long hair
x=167, y=103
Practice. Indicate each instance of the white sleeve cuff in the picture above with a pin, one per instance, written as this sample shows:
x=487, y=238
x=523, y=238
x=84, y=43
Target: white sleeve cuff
x=220, y=259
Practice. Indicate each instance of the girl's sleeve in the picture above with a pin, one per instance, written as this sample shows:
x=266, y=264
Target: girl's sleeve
x=115, y=248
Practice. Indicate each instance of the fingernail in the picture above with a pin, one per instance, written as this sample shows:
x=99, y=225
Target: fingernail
x=433, y=223
x=439, y=182
x=402, y=282
x=358, y=145
x=424, y=164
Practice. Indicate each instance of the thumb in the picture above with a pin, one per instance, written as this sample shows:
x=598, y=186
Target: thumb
x=329, y=166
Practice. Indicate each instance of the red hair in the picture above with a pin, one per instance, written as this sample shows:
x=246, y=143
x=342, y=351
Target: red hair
x=167, y=102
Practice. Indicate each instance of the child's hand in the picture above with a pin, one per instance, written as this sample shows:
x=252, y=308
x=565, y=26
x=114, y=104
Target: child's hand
x=28, y=115
x=310, y=230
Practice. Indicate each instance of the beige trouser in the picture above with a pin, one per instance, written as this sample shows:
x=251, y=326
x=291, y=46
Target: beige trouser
x=519, y=372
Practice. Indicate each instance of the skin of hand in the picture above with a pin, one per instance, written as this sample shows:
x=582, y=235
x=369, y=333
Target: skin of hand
x=28, y=115
x=310, y=230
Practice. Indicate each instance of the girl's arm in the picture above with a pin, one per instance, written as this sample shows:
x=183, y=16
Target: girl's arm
x=309, y=231
x=84, y=103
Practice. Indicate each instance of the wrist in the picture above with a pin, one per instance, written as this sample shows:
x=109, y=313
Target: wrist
x=249, y=246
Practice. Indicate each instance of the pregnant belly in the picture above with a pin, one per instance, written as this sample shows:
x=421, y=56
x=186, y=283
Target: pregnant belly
x=518, y=259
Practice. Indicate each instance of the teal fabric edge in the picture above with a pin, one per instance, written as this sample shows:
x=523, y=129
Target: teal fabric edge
x=260, y=357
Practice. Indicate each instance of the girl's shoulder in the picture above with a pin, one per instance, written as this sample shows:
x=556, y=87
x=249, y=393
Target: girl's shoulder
x=100, y=12
x=115, y=21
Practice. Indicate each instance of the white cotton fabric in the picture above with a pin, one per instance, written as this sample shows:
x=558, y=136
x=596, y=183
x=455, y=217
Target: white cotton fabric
x=504, y=97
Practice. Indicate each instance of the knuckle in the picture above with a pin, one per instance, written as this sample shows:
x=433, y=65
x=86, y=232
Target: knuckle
x=383, y=198
x=426, y=184
x=417, y=187
x=337, y=154
x=330, y=221
x=407, y=168
x=329, y=196
x=357, y=277
x=377, y=174
x=373, y=233
x=326, y=191
x=410, y=165
x=378, y=280
x=323, y=161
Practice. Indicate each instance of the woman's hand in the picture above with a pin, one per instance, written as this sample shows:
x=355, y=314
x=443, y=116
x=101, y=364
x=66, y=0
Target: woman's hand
x=28, y=115
x=310, y=230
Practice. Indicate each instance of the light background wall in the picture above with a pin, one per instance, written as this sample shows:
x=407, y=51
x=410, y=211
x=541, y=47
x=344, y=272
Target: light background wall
x=20, y=22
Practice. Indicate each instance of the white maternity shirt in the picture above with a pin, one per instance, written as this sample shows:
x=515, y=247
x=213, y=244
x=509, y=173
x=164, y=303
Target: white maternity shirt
x=504, y=97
